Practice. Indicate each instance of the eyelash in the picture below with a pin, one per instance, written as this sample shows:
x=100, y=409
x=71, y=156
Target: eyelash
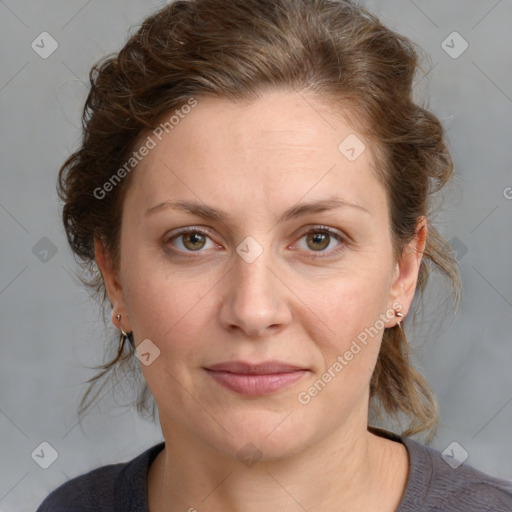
x=315, y=230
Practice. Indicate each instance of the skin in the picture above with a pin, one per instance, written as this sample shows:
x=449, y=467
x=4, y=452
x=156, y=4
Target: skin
x=253, y=160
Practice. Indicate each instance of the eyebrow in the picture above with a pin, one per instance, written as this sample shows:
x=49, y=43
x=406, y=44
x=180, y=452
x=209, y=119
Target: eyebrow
x=209, y=213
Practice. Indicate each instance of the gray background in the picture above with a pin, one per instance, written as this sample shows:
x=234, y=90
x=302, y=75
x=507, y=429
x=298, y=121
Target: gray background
x=51, y=330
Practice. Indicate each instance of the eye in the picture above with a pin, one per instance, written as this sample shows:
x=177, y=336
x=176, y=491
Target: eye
x=191, y=240
x=318, y=239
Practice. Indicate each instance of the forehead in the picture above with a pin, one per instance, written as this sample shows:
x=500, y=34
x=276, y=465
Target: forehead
x=281, y=144
x=273, y=119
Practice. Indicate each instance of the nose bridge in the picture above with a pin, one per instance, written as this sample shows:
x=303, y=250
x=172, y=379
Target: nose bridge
x=254, y=278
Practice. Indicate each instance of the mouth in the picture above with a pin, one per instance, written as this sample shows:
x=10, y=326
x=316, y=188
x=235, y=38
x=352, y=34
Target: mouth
x=256, y=379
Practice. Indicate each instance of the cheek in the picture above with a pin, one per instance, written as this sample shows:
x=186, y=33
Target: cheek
x=355, y=309
x=166, y=307
x=351, y=303
x=173, y=312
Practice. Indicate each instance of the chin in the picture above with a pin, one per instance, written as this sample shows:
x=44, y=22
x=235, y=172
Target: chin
x=265, y=435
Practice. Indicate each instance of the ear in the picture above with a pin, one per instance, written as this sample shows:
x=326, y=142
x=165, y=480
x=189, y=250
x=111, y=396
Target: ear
x=113, y=285
x=406, y=273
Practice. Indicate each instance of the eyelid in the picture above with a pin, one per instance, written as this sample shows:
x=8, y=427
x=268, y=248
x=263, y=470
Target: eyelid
x=313, y=228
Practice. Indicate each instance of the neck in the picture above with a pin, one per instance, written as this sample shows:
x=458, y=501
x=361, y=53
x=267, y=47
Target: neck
x=354, y=470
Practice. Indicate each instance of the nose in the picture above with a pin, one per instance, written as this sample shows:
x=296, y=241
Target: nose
x=256, y=298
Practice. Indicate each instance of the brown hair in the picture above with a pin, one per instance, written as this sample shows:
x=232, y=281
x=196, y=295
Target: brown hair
x=236, y=50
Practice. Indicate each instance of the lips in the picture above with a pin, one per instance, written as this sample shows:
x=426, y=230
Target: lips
x=255, y=379
x=267, y=367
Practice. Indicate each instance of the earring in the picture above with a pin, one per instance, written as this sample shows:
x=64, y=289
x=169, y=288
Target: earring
x=118, y=317
x=399, y=315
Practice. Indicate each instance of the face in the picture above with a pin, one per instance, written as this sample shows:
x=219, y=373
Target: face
x=282, y=252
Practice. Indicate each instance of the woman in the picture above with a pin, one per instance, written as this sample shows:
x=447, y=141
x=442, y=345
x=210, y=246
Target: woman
x=254, y=187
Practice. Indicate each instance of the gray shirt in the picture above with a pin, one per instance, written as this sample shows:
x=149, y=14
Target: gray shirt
x=433, y=485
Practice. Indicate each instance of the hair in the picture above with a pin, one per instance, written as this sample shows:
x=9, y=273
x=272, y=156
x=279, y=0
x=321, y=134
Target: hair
x=237, y=50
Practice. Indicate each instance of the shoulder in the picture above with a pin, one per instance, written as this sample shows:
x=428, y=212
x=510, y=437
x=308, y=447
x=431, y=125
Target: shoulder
x=441, y=483
x=90, y=491
x=107, y=488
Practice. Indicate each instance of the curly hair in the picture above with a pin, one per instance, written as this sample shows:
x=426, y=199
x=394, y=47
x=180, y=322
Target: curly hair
x=237, y=50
